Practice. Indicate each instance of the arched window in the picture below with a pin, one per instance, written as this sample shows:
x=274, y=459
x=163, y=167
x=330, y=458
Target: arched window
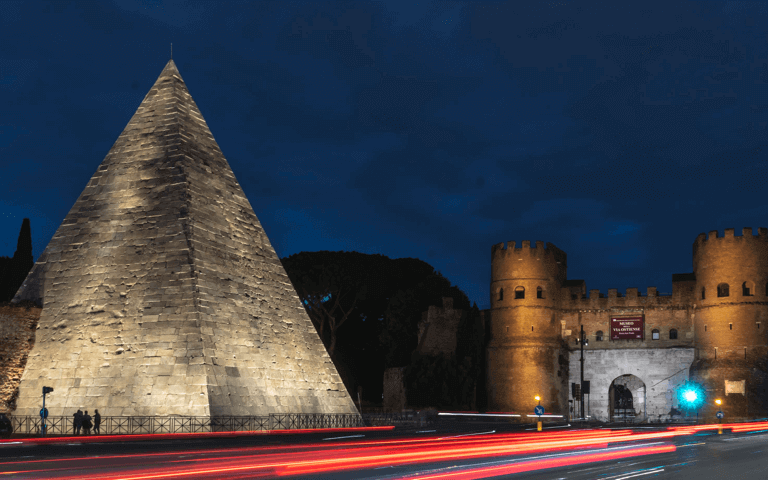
x=655, y=334
x=519, y=292
x=703, y=292
x=599, y=336
x=747, y=289
x=672, y=334
x=722, y=290
x=501, y=294
x=539, y=292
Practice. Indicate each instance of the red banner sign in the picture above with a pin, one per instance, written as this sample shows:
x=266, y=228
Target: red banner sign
x=627, y=328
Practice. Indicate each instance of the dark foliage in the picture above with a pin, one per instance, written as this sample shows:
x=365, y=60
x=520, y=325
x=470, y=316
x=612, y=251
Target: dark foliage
x=367, y=308
x=14, y=270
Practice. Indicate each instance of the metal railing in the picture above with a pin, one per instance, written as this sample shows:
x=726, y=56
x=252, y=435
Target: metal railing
x=64, y=425
x=380, y=419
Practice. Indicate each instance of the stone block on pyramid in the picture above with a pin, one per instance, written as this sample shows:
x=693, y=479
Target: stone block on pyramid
x=161, y=292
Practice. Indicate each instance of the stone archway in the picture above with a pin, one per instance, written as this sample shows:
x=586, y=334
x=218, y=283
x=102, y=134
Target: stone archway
x=626, y=399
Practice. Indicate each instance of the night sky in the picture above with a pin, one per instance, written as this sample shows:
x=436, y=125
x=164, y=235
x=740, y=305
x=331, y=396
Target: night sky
x=616, y=130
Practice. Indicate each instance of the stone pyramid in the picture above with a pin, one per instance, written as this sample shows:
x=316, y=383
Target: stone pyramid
x=162, y=294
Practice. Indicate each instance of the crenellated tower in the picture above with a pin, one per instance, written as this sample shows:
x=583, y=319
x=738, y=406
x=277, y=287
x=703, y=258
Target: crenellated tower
x=731, y=318
x=525, y=352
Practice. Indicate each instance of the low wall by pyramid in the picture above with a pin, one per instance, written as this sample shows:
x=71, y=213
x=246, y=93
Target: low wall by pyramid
x=162, y=294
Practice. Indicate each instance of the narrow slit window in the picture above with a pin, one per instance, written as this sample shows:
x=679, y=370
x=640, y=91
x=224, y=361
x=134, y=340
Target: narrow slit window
x=705, y=328
x=531, y=327
x=501, y=294
x=539, y=292
x=703, y=293
x=730, y=326
x=758, y=325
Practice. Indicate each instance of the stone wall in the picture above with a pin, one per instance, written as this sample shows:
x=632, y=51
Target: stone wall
x=17, y=336
x=394, y=390
x=658, y=316
x=660, y=370
x=438, y=329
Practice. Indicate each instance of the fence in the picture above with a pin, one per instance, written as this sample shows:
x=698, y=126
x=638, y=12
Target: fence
x=137, y=425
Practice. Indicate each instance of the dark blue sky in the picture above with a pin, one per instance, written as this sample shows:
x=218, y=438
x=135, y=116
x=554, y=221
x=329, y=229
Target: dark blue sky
x=616, y=130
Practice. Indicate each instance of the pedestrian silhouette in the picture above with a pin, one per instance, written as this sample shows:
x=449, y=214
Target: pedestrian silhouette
x=96, y=423
x=87, y=423
x=6, y=428
x=78, y=422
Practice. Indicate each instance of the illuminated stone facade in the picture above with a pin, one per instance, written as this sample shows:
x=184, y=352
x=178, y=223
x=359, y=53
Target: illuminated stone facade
x=713, y=324
x=161, y=292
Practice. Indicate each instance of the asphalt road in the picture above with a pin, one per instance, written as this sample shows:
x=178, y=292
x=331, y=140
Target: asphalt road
x=380, y=455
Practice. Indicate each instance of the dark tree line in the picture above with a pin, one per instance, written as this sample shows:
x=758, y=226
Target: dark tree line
x=366, y=309
x=14, y=270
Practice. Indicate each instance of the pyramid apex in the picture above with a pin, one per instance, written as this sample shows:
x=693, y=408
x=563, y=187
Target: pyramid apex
x=170, y=68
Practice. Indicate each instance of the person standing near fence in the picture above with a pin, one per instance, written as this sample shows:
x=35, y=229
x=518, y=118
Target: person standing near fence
x=96, y=423
x=6, y=427
x=87, y=423
x=78, y=422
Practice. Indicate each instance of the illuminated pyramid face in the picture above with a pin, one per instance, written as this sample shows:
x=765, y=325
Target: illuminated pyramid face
x=161, y=292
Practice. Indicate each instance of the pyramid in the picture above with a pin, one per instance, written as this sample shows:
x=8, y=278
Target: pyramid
x=162, y=294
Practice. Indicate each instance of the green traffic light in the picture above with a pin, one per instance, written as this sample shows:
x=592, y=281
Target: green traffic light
x=691, y=395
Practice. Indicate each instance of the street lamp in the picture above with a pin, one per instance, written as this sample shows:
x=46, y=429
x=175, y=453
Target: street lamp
x=719, y=402
x=538, y=399
x=582, y=340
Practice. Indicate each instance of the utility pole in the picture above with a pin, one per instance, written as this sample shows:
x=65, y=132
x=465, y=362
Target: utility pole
x=581, y=390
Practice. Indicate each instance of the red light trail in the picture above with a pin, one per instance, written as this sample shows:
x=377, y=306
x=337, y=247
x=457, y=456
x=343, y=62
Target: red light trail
x=574, y=447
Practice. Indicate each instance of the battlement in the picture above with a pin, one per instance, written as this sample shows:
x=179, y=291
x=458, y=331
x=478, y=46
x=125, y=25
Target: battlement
x=729, y=235
x=614, y=298
x=502, y=251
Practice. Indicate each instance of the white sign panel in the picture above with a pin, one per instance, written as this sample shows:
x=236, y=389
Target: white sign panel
x=735, y=386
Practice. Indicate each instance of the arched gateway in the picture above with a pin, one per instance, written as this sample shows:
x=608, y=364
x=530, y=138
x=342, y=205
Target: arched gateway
x=626, y=380
x=626, y=399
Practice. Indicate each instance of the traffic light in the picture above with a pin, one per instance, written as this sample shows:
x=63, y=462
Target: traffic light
x=47, y=390
x=691, y=395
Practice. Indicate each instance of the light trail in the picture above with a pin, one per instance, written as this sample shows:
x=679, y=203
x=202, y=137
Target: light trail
x=324, y=457
x=538, y=464
x=176, y=436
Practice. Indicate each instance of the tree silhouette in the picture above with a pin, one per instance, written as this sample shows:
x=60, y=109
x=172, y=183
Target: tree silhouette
x=14, y=270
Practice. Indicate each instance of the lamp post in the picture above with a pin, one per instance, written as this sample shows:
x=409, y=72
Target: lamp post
x=538, y=412
x=583, y=341
x=719, y=402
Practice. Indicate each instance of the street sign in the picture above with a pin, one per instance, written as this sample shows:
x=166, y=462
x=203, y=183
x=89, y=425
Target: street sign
x=44, y=412
x=720, y=414
x=538, y=410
